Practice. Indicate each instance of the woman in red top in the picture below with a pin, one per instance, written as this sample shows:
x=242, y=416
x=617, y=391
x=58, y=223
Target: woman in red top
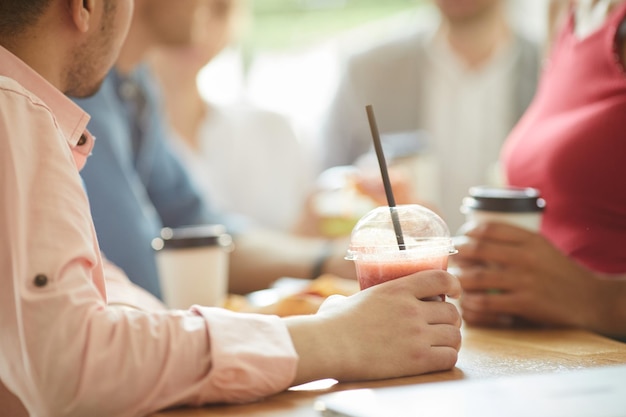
x=571, y=145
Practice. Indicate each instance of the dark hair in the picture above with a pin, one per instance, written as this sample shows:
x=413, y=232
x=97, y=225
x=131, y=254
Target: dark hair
x=17, y=15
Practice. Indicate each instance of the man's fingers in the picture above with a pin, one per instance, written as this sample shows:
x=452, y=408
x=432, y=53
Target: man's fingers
x=435, y=282
x=446, y=335
x=441, y=358
x=442, y=313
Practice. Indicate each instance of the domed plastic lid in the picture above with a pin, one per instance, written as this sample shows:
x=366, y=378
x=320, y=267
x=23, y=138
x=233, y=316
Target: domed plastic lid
x=423, y=232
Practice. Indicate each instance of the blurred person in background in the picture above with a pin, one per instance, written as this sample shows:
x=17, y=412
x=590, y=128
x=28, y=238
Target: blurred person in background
x=570, y=145
x=137, y=184
x=244, y=159
x=452, y=92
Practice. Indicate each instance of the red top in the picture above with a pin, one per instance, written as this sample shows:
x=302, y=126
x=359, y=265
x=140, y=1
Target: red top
x=571, y=145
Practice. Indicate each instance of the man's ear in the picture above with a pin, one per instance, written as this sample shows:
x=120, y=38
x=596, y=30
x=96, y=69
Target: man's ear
x=82, y=13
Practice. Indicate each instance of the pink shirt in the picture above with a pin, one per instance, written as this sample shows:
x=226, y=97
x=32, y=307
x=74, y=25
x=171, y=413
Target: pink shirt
x=65, y=349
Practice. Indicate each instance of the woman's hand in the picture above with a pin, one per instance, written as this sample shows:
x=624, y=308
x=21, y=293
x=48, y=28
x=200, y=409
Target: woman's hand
x=507, y=272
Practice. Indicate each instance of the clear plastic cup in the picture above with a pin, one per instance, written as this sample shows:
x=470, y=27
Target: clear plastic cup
x=378, y=256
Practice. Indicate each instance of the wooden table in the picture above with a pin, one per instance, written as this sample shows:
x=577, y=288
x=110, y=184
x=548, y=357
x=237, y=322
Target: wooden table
x=485, y=353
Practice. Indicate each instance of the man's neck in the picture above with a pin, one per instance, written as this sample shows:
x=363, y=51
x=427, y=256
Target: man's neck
x=41, y=56
x=476, y=41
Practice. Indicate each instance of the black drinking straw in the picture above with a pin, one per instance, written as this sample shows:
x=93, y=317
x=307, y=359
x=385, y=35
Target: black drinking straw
x=385, y=174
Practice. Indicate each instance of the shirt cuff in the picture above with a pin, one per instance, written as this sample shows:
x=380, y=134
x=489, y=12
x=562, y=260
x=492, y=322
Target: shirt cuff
x=252, y=355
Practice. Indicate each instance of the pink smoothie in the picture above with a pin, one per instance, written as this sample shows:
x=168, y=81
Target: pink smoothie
x=371, y=273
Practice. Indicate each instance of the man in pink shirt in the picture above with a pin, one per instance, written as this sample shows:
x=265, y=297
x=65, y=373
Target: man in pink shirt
x=77, y=338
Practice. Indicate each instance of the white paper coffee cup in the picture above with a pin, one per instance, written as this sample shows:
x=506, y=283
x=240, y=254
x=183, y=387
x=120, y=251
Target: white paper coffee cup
x=193, y=265
x=522, y=207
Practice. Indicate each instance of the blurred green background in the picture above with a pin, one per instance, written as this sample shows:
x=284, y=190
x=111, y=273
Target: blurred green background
x=278, y=24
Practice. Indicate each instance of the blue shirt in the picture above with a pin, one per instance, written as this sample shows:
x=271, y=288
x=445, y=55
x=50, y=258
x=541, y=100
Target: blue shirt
x=135, y=183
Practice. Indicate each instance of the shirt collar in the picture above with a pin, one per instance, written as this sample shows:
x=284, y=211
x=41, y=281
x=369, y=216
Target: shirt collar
x=71, y=119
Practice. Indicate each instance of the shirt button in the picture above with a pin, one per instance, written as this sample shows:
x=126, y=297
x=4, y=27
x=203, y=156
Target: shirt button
x=82, y=140
x=40, y=280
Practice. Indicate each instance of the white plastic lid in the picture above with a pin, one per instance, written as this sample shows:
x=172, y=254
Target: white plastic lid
x=423, y=233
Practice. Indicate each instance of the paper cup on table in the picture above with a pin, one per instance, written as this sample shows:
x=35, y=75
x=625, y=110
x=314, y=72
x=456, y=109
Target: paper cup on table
x=193, y=265
x=377, y=255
